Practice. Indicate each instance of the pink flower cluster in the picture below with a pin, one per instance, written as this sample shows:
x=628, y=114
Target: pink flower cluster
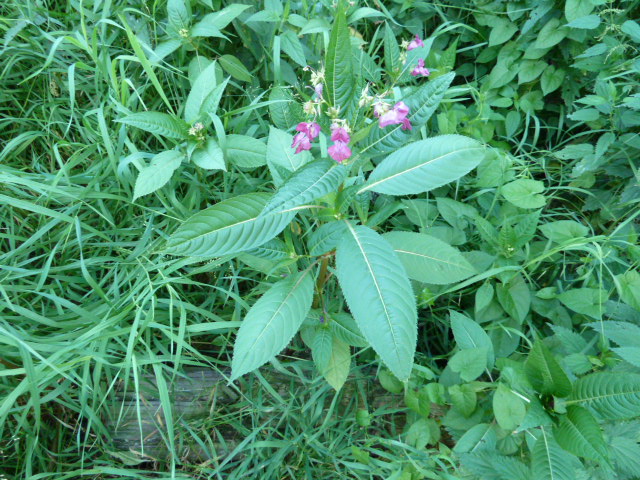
x=396, y=116
x=308, y=131
x=340, y=150
x=420, y=70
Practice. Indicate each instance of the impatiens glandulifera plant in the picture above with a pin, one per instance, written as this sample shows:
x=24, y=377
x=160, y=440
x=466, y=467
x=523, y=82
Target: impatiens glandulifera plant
x=339, y=282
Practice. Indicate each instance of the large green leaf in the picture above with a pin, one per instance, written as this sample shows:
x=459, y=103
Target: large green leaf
x=579, y=433
x=272, y=322
x=157, y=123
x=550, y=462
x=508, y=408
x=422, y=103
x=379, y=296
x=314, y=180
x=545, y=373
x=428, y=259
x=613, y=396
x=426, y=164
x=325, y=238
x=339, y=78
x=231, y=226
x=157, y=173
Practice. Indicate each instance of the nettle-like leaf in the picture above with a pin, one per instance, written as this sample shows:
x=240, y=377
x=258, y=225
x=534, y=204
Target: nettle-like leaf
x=422, y=104
x=545, y=373
x=157, y=173
x=426, y=164
x=340, y=84
x=272, y=322
x=245, y=152
x=490, y=465
x=428, y=259
x=321, y=347
x=379, y=296
x=312, y=181
x=157, y=123
x=344, y=328
x=550, y=462
x=231, y=226
x=612, y=396
x=326, y=238
x=579, y=433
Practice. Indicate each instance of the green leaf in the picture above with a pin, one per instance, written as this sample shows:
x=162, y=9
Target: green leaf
x=379, y=296
x=587, y=301
x=285, y=112
x=508, y=408
x=326, y=238
x=391, y=50
x=551, y=34
x=422, y=103
x=426, y=164
x=312, y=181
x=530, y=70
x=339, y=81
x=428, y=259
x=179, y=14
x=502, y=31
x=245, y=151
x=515, y=297
x=574, y=9
x=632, y=29
x=468, y=334
x=469, y=363
x=280, y=154
x=321, y=348
x=345, y=328
x=525, y=193
x=235, y=68
x=202, y=87
x=588, y=22
x=231, y=226
x=629, y=288
x=564, y=230
x=225, y=16
x=337, y=369
x=613, y=396
x=551, y=79
x=463, y=398
x=290, y=44
x=271, y=323
x=489, y=465
x=158, y=173
x=624, y=334
x=544, y=372
x=550, y=462
x=210, y=156
x=157, y=123
x=477, y=438
x=580, y=434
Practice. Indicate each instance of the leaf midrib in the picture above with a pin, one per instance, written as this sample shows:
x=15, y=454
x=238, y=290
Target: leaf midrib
x=386, y=179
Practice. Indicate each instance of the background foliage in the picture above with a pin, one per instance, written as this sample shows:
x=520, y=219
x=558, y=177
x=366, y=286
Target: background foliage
x=528, y=352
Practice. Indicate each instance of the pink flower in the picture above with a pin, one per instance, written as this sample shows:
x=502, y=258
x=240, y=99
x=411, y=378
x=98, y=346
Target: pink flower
x=415, y=43
x=311, y=129
x=420, y=70
x=339, y=134
x=318, y=89
x=301, y=142
x=396, y=116
x=339, y=151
